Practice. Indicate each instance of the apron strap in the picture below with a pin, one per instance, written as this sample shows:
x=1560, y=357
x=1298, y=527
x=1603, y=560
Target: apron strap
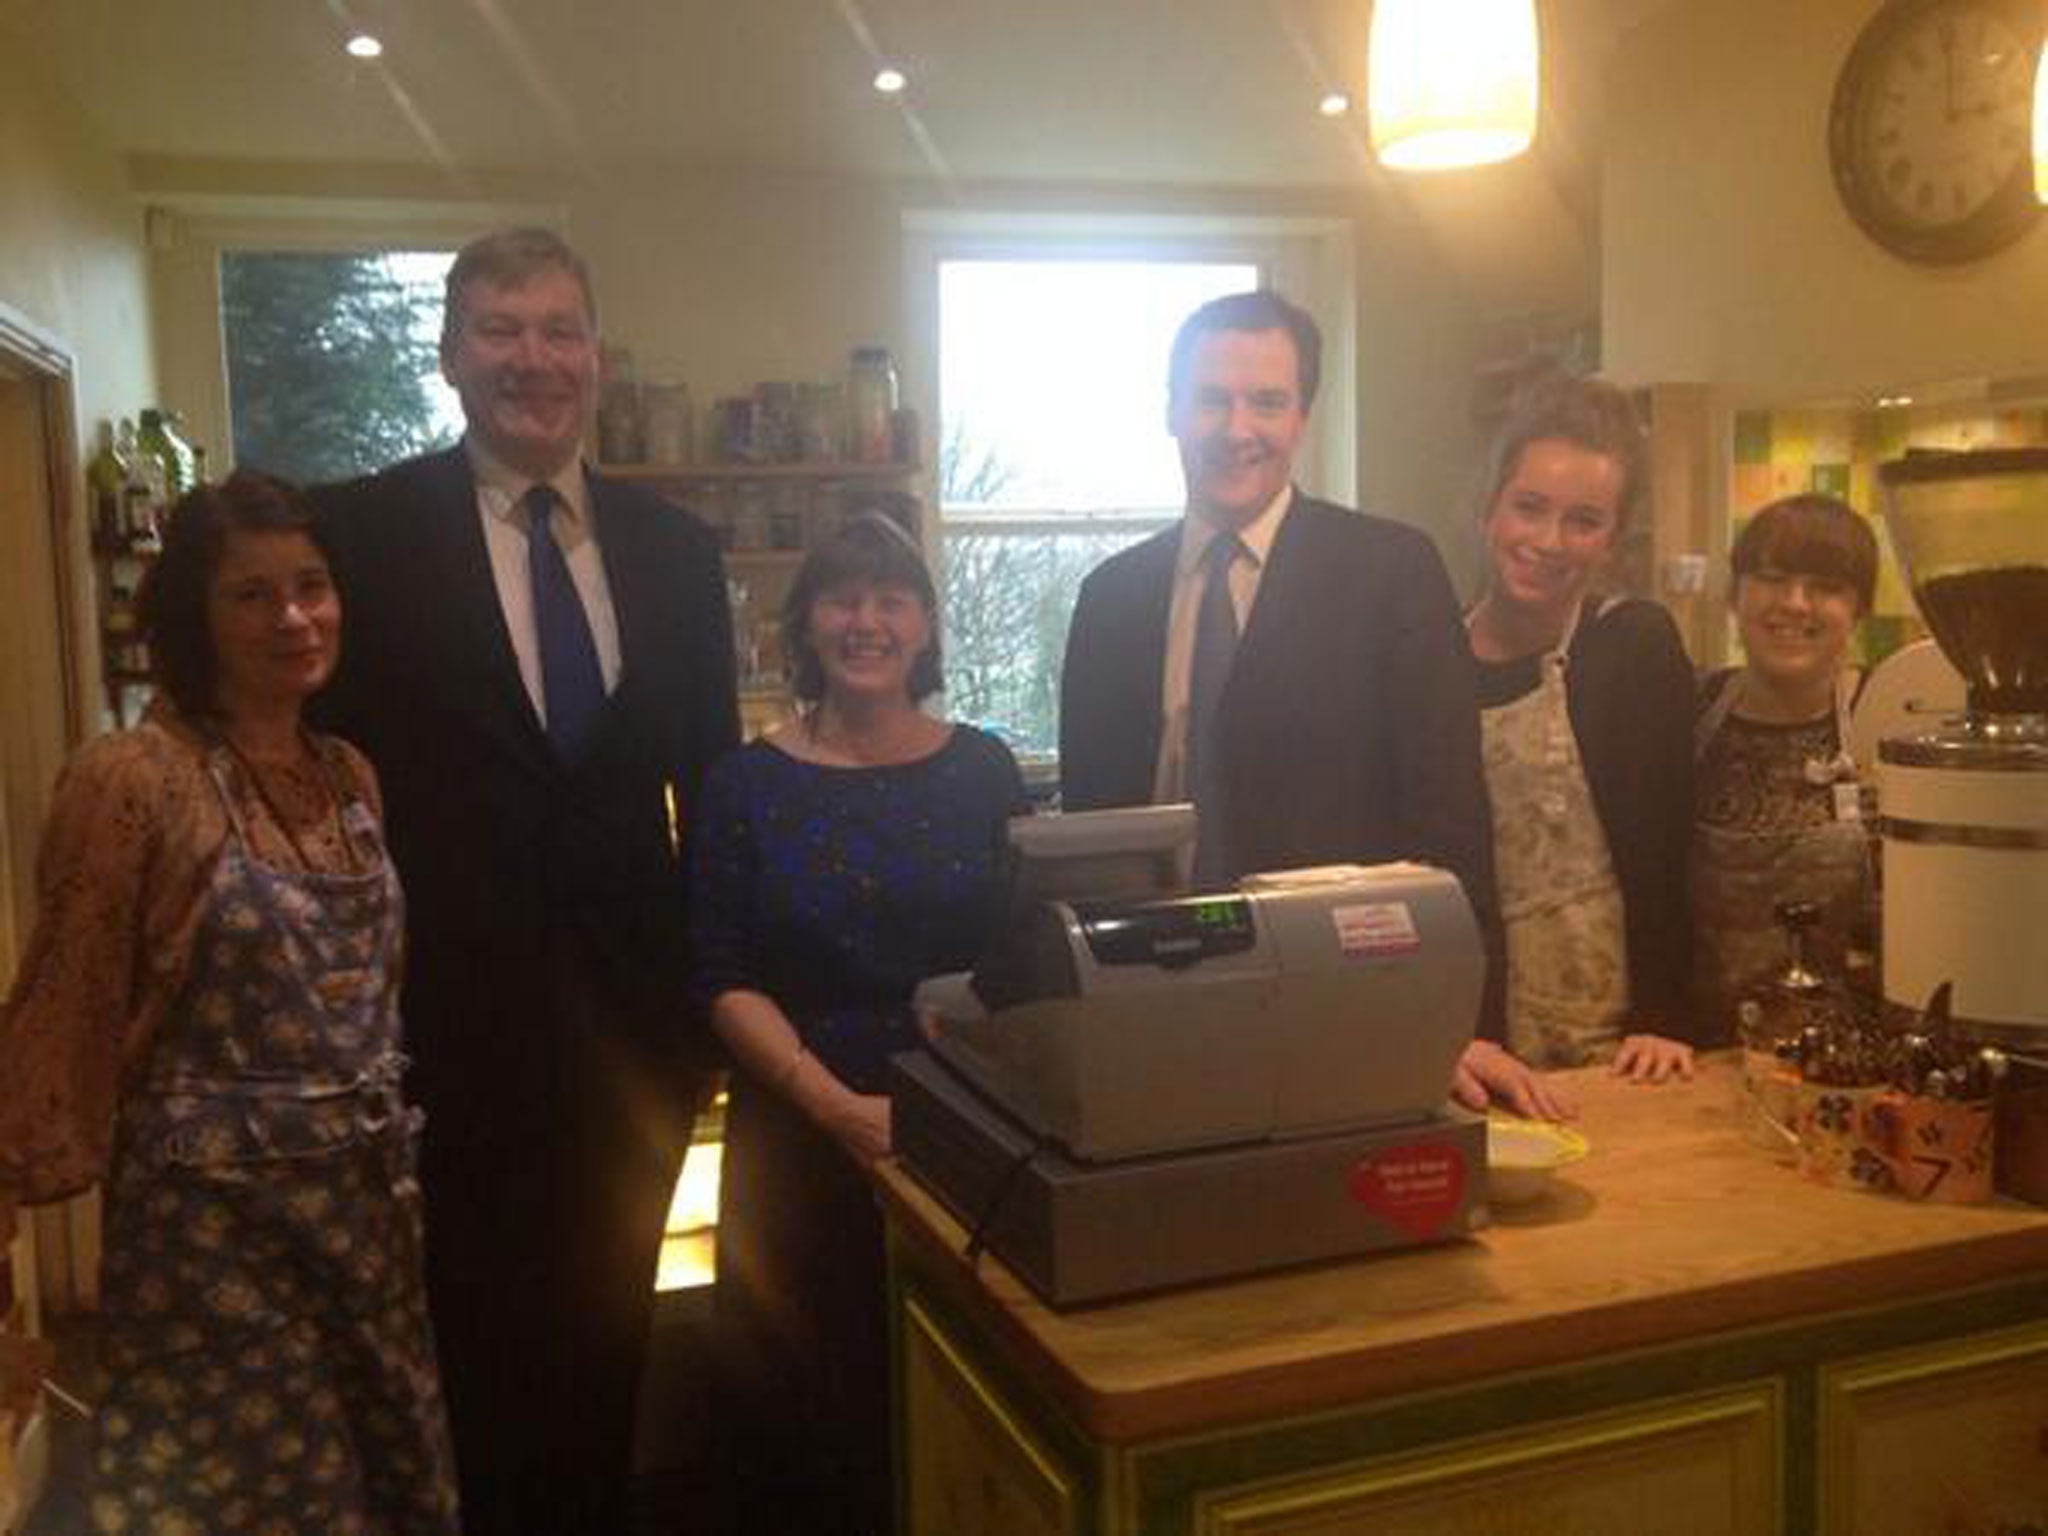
x=217, y=758
x=1819, y=770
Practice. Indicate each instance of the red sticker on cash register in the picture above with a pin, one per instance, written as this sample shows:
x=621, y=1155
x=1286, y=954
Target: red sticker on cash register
x=1375, y=928
x=1417, y=1187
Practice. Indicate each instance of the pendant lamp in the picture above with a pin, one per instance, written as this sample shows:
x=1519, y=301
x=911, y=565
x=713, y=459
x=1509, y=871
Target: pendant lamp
x=1452, y=82
x=2041, y=125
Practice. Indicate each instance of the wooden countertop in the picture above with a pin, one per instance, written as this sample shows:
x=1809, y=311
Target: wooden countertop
x=1673, y=1227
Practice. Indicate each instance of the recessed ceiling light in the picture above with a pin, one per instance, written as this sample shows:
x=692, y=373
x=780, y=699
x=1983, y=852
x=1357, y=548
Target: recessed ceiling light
x=1336, y=104
x=364, y=46
x=889, y=80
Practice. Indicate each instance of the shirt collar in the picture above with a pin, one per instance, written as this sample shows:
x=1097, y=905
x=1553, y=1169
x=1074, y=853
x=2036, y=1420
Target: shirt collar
x=502, y=488
x=1199, y=530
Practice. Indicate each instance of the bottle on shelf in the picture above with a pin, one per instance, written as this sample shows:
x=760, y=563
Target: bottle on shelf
x=144, y=492
x=667, y=423
x=156, y=437
x=821, y=417
x=127, y=656
x=871, y=406
x=105, y=476
x=189, y=452
x=620, y=431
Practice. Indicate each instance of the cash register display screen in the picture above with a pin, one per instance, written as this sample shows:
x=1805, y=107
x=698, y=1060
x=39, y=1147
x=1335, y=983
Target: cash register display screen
x=1167, y=933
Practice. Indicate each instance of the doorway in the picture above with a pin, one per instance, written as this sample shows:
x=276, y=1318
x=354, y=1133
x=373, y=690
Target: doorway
x=42, y=556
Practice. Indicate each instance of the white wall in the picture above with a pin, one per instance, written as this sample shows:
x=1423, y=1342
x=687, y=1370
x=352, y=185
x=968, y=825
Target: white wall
x=71, y=253
x=722, y=279
x=1728, y=257
x=732, y=279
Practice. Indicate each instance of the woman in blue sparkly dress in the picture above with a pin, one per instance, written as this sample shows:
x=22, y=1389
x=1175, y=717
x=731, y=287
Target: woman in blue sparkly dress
x=835, y=862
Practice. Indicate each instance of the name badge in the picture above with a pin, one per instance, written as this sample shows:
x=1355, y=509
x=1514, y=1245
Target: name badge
x=1848, y=801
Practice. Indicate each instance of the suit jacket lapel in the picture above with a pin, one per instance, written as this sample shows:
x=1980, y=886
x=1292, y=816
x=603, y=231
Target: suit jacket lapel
x=1264, y=640
x=1149, y=618
x=626, y=574
x=475, y=625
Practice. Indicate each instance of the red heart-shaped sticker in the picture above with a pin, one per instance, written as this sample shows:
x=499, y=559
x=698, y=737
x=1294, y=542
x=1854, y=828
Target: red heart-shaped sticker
x=1417, y=1186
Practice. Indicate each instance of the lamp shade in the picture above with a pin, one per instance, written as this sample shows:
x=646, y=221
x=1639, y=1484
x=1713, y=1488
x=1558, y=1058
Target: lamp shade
x=1452, y=82
x=2041, y=126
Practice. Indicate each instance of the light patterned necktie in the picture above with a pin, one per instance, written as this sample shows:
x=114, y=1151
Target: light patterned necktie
x=1208, y=672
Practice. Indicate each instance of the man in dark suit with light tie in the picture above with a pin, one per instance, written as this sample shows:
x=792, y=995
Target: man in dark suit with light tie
x=1342, y=726
x=539, y=663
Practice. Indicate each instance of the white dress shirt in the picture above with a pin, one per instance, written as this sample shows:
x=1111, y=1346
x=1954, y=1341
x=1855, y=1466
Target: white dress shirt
x=500, y=507
x=1169, y=776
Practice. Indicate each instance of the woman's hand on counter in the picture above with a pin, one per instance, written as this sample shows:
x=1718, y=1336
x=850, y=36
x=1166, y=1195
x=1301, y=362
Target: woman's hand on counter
x=858, y=1122
x=1653, y=1059
x=755, y=1029
x=1487, y=1074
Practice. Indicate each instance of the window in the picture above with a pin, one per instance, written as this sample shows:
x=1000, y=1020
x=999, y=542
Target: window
x=244, y=287
x=1037, y=346
x=331, y=359
x=1053, y=454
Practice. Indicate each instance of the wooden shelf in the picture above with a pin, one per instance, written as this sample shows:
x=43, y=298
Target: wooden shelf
x=709, y=473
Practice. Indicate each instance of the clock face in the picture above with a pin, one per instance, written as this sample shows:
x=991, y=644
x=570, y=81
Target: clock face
x=1931, y=126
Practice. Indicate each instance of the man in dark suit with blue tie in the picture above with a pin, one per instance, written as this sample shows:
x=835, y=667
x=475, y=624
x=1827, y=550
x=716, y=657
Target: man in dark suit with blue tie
x=538, y=662
x=1294, y=668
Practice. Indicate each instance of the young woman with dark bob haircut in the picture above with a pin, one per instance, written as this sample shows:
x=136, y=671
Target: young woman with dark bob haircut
x=1778, y=814
x=206, y=1022
x=835, y=863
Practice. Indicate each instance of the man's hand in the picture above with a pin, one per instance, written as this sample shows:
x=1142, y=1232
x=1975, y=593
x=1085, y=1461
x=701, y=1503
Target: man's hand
x=1487, y=1074
x=1653, y=1059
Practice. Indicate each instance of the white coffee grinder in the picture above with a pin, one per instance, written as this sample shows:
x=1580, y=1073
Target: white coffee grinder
x=1965, y=804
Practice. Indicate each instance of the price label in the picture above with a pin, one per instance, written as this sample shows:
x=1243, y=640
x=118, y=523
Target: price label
x=1375, y=928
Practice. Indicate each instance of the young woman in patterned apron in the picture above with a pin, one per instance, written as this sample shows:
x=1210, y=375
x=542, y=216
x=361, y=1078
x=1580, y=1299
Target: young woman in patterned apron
x=206, y=1020
x=1585, y=714
x=1779, y=813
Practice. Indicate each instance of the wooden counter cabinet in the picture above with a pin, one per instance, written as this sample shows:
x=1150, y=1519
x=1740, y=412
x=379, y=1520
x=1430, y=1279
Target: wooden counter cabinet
x=1685, y=1338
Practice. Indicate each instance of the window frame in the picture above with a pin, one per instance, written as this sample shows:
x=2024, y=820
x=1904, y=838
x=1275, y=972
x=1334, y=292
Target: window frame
x=1308, y=259
x=188, y=236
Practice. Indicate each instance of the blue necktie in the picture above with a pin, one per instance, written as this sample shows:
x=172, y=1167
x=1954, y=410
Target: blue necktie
x=571, y=682
x=1208, y=672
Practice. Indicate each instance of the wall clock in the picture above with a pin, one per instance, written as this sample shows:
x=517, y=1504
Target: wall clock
x=1929, y=137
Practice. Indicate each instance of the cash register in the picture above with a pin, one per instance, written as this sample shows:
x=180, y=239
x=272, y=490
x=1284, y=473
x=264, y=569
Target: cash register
x=1142, y=1085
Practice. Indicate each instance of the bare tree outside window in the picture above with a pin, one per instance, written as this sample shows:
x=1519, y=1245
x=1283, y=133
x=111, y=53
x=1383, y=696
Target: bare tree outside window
x=1053, y=455
x=1008, y=598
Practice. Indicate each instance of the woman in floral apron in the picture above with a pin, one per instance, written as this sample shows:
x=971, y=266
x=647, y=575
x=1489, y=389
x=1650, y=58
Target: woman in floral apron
x=206, y=1020
x=1585, y=716
x=1779, y=813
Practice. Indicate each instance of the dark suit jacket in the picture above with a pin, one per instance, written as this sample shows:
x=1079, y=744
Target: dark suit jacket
x=1349, y=727
x=520, y=872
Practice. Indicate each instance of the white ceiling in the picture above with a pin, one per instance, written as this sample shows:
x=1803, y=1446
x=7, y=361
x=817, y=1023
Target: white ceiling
x=1207, y=93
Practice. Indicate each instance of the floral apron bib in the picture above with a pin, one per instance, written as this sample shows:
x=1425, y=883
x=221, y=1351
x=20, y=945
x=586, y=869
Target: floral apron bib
x=271, y=1364
x=1567, y=989
x=1738, y=878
